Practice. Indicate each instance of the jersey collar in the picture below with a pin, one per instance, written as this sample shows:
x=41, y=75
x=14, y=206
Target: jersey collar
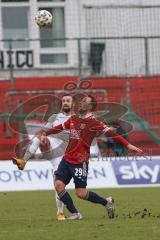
x=88, y=115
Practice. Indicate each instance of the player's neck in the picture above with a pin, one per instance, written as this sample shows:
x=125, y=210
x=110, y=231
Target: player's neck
x=84, y=114
x=67, y=113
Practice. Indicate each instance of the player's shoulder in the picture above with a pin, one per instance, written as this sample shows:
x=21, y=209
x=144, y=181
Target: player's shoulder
x=91, y=117
x=92, y=120
x=52, y=117
x=62, y=115
x=56, y=116
x=59, y=115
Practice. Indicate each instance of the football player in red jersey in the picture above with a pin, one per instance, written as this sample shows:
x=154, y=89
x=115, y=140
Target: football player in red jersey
x=83, y=129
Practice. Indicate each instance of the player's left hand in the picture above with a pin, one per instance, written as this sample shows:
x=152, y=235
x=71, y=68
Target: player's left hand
x=134, y=148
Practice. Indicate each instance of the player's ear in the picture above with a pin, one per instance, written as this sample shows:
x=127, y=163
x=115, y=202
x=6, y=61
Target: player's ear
x=73, y=102
x=91, y=108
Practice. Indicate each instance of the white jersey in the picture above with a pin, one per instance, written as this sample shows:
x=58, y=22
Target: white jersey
x=55, y=120
x=60, y=140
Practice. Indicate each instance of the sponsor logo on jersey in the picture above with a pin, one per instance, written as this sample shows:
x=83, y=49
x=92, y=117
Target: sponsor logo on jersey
x=82, y=126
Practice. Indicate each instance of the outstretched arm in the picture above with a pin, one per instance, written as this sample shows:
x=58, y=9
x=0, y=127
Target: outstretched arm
x=122, y=140
x=58, y=128
x=103, y=128
x=48, y=131
x=54, y=130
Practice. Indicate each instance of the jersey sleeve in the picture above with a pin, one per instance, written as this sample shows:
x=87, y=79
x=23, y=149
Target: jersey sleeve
x=54, y=130
x=58, y=128
x=117, y=137
x=104, y=128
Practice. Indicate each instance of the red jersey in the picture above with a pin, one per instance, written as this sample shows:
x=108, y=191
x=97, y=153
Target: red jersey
x=82, y=133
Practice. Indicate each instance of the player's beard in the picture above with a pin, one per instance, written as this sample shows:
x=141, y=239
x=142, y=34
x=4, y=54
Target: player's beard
x=66, y=110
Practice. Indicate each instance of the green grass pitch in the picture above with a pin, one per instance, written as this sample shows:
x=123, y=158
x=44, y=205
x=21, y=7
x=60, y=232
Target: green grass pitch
x=31, y=215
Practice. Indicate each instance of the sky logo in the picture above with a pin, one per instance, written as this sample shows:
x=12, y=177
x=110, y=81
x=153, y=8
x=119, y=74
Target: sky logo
x=137, y=172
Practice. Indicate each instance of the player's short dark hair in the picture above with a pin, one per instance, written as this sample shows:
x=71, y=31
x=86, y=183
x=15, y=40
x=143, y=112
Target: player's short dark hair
x=69, y=95
x=93, y=102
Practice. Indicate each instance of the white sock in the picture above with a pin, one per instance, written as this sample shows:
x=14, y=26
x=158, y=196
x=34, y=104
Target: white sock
x=59, y=203
x=32, y=148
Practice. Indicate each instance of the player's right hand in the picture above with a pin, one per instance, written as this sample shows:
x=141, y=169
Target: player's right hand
x=134, y=148
x=42, y=137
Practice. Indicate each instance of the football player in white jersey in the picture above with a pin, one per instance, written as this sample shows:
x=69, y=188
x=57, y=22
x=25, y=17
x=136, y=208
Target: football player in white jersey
x=52, y=148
